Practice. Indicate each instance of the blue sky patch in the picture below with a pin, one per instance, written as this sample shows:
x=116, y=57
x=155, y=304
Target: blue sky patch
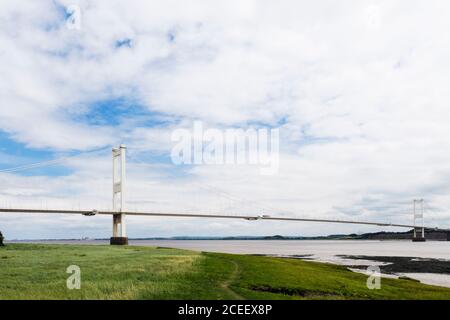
x=171, y=36
x=127, y=42
x=14, y=154
x=122, y=111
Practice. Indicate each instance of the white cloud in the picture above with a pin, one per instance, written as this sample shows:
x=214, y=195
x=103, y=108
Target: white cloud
x=360, y=87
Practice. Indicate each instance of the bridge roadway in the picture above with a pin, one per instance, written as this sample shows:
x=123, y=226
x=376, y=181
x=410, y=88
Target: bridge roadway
x=217, y=216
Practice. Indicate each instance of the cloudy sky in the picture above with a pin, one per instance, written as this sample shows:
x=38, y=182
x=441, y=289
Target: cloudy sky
x=358, y=90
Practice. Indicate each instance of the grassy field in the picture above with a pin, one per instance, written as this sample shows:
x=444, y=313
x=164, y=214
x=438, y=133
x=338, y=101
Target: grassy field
x=39, y=272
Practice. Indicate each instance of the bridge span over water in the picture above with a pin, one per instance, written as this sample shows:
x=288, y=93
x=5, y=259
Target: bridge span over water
x=118, y=214
x=208, y=215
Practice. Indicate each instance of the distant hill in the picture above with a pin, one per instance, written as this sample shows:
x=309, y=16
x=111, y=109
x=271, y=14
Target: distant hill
x=430, y=234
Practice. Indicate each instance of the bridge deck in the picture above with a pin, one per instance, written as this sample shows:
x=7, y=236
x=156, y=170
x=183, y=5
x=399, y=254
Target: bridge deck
x=216, y=216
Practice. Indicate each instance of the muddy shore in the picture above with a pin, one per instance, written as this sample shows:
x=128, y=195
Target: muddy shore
x=395, y=265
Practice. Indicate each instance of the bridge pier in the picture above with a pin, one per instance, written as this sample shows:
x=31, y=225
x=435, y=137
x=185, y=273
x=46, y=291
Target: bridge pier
x=118, y=241
x=119, y=230
x=419, y=236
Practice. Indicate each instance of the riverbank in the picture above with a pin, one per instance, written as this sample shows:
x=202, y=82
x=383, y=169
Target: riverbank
x=328, y=251
x=35, y=271
x=425, y=270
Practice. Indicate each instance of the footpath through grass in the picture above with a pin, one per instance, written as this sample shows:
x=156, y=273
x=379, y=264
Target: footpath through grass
x=29, y=271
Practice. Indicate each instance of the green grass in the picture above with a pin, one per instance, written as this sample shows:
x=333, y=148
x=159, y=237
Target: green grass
x=112, y=272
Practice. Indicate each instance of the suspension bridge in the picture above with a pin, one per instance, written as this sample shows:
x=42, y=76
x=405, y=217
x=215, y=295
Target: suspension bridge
x=119, y=235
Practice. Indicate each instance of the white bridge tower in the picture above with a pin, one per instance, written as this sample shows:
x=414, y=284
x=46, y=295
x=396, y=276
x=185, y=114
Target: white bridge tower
x=119, y=177
x=418, y=221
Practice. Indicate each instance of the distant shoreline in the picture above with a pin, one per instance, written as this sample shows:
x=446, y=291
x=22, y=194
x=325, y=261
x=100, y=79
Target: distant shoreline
x=436, y=235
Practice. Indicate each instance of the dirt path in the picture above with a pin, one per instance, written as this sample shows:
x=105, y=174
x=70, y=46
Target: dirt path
x=230, y=280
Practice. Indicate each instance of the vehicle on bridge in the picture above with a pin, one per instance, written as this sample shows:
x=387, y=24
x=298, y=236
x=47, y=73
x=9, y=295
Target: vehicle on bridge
x=90, y=213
